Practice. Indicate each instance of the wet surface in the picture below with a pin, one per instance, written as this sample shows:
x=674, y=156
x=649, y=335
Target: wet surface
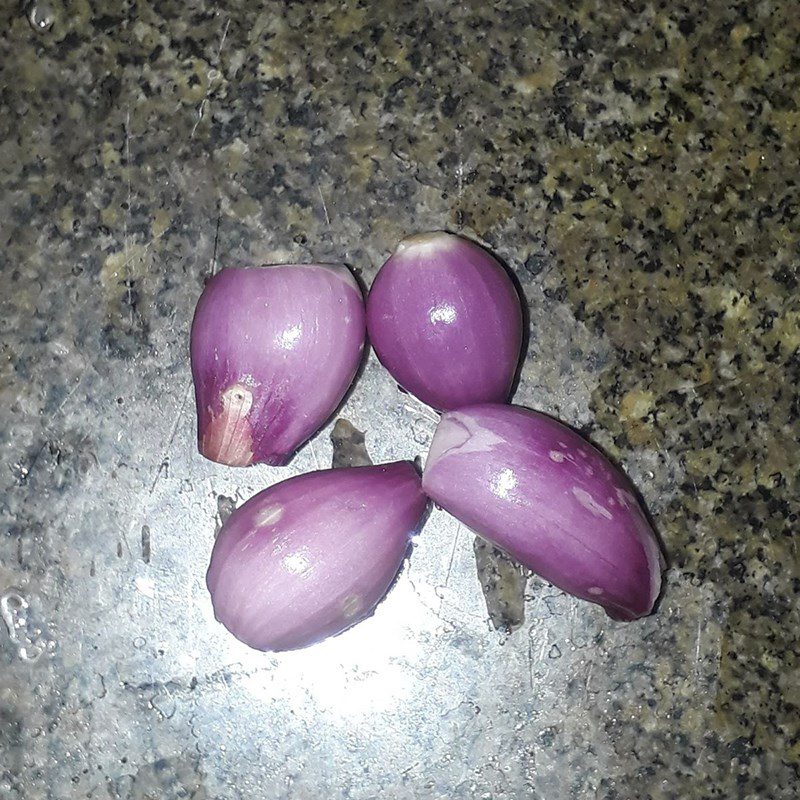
x=636, y=167
x=349, y=446
x=503, y=582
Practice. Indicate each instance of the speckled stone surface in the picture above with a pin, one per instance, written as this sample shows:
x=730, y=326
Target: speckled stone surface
x=635, y=164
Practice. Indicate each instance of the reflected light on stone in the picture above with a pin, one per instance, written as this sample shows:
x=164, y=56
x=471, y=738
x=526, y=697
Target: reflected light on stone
x=365, y=671
x=146, y=587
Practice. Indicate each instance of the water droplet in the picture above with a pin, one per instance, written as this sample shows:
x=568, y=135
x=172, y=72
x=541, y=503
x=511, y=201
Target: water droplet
x=420, y=430
x=21, y=471
x=12, y=609
x=30, y=653
x=40, y=15
x=649, y=475
x=24, y=630
x=555, y=652
x=165, y=705
x=139, y=642
x=12, y=601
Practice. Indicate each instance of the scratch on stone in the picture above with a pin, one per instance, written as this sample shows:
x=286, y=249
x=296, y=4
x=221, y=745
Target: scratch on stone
x=216, y=241
x=200, y=111
x=452, y=554
x=530, y=662
x=172, y=435
x=71, y=391
x=459, y=187
x=324, y=205
x=128, y=210
x=698, y=639
x=314, y=453
x=589, y=678
x=421, y=409
x=204, y=101
x=222, y=39
x=149, y=244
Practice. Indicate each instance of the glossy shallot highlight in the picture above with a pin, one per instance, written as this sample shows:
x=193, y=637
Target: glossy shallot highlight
x=445, y=319
x=274, y=349
x=542, y=493
x=311, y=556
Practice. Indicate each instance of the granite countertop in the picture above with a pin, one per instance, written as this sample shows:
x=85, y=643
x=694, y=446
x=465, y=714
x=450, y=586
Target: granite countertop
x=635, y=164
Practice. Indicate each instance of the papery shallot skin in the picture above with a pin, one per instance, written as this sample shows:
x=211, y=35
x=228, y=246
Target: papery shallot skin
x=445, y=319
x=542, y=493
x=311, y=556
x=273, y=350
